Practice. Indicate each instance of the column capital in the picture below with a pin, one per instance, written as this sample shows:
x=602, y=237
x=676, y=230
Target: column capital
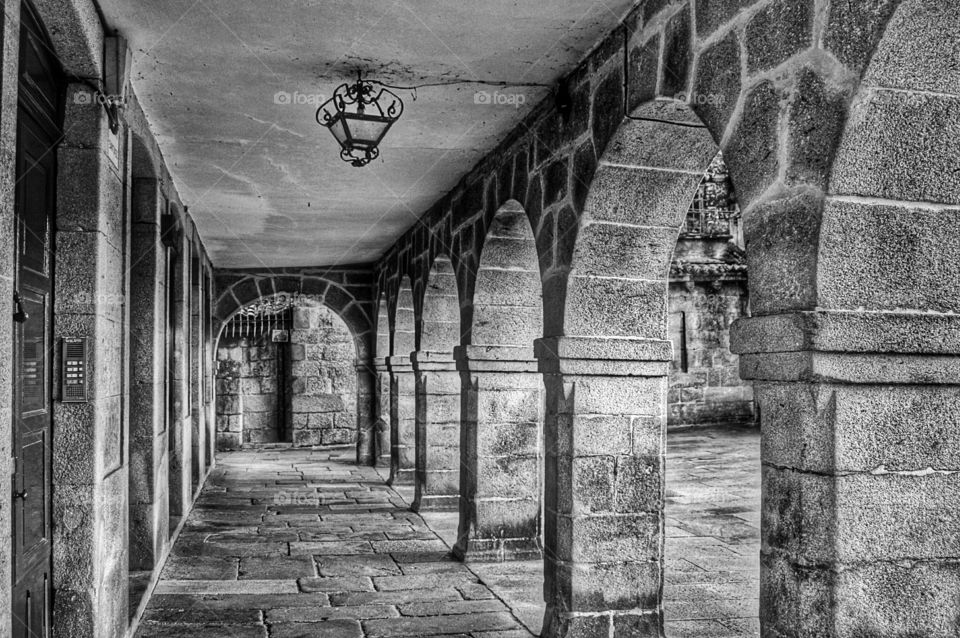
x=399, y=364
x=430, y=361
x=849, y=347
x=494, y=359
x=380, y=364
x=591, y=356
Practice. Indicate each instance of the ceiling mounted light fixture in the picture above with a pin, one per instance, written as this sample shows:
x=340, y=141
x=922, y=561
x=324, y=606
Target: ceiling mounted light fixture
x=359, y=115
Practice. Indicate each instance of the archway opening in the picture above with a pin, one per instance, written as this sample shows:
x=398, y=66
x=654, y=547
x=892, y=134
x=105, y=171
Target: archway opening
x=502, y=478
x=286, y=377
x=712, y=504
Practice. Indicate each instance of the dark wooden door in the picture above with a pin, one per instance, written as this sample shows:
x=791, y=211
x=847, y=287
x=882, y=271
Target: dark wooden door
x=37, y=138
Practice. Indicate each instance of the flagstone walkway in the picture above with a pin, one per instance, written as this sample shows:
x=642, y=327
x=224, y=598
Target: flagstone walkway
x=304, y=544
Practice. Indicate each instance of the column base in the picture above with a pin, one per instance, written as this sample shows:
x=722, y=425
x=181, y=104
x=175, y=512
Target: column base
x=558, y=624
x=403, y=477
x=437, y=503
x=497, y=550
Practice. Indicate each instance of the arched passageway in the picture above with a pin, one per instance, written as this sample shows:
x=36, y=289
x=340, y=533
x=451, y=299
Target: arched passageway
x=438, y=392
x=502, y=417
x=287, y=374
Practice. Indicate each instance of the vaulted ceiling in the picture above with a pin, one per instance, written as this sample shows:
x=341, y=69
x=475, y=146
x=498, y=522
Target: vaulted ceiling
x=230, y=88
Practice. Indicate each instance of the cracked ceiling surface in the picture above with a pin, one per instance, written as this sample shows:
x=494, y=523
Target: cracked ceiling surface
x=230, y=88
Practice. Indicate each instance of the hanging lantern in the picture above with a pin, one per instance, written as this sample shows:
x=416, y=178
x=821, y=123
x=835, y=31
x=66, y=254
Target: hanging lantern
x=359, y=115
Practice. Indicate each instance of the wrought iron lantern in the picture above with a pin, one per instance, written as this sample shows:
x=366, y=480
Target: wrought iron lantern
x=359, y=116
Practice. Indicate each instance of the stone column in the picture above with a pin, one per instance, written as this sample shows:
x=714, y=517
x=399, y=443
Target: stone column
x=861, y=476
x=603, y=513
x=402, y=421
x=147, y=451
x=500, y=451
x=197, y=412
x=366, y=414
x=181, y=429
x=382, y=407
x=438, y=431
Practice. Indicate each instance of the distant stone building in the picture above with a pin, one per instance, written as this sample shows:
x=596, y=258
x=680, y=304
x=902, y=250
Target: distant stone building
x=708, y=292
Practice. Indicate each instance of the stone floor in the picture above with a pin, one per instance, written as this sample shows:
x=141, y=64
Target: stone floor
x=712, y=566
x=300, y=543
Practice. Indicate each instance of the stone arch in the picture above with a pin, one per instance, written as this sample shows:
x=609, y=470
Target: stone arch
x=507, y=308
x=403, y=337
x=874, y=343
x=351, y=302
x=143, y=161
x=439, y=319
x=640, y=193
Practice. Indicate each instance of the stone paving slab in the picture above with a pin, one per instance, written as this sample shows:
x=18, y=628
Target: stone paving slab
x=302, y=543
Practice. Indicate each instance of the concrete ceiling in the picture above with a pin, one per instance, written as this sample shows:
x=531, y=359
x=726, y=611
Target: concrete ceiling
x=263, y=181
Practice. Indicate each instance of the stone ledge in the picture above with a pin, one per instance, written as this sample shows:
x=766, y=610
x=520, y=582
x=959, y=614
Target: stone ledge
x=399, y=364
x=865, y=368
x=837, y=331
x=494, y=359
x=604, y=357
x=427, y=361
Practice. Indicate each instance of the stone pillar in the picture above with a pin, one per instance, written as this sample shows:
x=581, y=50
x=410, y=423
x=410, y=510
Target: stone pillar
x=500, y=451
x=197, y=412
x=402, y=421
x=180, y=426
x=366, y=414
x=603, y=513
x=147, y=451
x=861, y=476
x=438, y=431
x=382, y=442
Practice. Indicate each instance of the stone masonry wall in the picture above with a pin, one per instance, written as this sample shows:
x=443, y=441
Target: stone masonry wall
x=707, y=389
x=247, y=401
x=323, y=378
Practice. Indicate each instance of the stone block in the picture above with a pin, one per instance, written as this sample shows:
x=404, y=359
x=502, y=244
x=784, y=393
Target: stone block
x=888, y=150
x=677, y=55
x=782, y=248
x=777, y=32
x=508, y=477
x=607, y=108
x=630, y=252
x=596, y=307
x=643, y=71
x=605, y=539
x=752, y=150
x=911, y=53
x=712, y=14
x=879, y=258
x=718, y=83
x=609, y=586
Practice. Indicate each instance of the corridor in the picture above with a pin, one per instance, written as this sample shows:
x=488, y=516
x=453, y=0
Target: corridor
x=306, y=544
x=288, y=543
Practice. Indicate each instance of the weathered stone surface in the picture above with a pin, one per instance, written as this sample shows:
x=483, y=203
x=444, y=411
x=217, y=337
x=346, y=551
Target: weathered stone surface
x=777, y=32
x=892, y=148
x=677, y=56
x=717, y=86
x=753, y=147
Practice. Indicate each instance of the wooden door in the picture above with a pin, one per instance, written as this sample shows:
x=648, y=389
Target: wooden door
x=36, y=170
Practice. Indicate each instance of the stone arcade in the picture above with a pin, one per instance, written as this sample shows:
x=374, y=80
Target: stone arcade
x=257, y=392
